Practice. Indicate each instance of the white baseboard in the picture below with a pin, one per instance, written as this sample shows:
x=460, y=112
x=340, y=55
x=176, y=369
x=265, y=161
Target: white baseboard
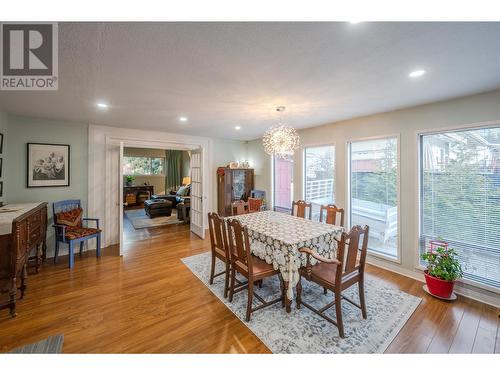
x=489, y=298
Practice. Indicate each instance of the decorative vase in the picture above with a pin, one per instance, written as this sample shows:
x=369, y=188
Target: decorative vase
x=438, y=287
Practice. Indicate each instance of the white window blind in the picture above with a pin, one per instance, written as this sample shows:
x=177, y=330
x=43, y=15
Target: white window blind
x=460, y=198
x=374, y=192
x=319, y=176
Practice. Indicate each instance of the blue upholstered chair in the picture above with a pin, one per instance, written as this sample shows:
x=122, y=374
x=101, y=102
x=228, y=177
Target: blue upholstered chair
x=73, y=234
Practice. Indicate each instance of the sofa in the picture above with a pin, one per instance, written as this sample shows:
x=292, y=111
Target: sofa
x=180, y=196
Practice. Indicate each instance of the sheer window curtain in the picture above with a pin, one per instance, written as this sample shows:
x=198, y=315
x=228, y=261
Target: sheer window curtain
x=173, y=172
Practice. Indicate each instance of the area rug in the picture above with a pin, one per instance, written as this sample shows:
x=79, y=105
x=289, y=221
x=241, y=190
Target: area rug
x=302, y=331
x=51, y=345
x=140, y=220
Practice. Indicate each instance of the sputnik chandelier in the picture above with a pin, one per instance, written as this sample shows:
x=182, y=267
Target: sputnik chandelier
x=280, y=140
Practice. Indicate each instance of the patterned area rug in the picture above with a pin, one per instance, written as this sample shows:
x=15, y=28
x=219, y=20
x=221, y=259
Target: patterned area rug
x=302, y=331
x=140, y=220
x=51, y=345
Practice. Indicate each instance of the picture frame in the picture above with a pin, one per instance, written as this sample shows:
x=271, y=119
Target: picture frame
x=1, y=167
x=48, y=165
x=1, y=143
x=1, y=189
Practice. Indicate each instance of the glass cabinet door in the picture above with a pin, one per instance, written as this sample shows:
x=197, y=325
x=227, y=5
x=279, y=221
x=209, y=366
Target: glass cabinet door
x=238, y=185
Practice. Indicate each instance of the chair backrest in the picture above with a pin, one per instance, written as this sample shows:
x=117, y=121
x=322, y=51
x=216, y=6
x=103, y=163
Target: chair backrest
x=259, y=194
x=348, y=247
x=239, y=208
x=239, y=244
x=218, y=233
x=331, y=214
x=64, y=206
x=301, y=209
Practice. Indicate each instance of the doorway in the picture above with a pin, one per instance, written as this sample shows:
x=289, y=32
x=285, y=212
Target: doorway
x=156, y=194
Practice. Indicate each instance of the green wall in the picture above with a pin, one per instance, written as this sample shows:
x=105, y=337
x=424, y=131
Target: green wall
x=22, y=130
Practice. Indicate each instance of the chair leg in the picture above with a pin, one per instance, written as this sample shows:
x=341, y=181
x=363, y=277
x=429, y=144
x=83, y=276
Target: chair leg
x=56, y=252
x=361, y=285
x=338, y=312
x=299, y=293
x=98, y=245
x=24, y=275
x=250, y=300
x=212, y=270
x=71, y=254
x=325, y=291
x=226, y=280
x=231, y=288
x=81, y=248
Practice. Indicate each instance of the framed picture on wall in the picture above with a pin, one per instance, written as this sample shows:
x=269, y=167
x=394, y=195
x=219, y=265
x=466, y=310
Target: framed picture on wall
x=1, y=143
x=1, y=166
x=48, y=165
x=1, y=189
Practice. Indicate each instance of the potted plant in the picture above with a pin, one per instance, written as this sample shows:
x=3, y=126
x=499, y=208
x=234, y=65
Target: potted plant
x=129, y=180
x=443, y=268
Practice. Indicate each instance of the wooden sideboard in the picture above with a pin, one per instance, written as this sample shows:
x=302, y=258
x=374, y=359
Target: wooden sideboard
x=136, y=190
x=29, y=232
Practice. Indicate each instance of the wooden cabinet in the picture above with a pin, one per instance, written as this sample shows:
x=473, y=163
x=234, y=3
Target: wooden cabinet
x=29, y=231
x=137, y=191
x=232, y=185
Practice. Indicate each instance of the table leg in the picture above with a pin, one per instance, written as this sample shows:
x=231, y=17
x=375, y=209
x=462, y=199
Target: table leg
x=288, y=301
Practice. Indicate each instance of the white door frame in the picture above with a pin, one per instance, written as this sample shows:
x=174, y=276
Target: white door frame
x=104, y=144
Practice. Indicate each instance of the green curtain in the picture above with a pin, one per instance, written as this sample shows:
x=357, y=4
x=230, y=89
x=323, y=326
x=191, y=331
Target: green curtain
x=173, y=173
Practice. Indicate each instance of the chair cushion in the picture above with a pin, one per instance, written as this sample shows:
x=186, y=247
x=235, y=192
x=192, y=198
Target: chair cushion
x=255, y=204
x=71, y=218
x=73, y=233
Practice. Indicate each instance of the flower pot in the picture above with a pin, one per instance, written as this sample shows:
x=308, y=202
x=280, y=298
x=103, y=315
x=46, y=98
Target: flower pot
x=438, y=287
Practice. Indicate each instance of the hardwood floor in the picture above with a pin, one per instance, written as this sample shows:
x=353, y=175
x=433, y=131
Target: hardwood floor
x=148, y=301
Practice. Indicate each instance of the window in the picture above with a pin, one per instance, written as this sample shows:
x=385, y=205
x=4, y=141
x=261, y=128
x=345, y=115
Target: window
x=374, y=192
x=319, y=176
x=139, y=165
x=460, y=198
x=283, y=183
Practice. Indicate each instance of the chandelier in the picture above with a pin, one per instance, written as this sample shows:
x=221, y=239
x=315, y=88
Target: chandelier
x=280, y=140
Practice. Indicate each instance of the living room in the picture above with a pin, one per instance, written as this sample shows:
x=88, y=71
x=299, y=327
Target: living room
x=170, y=195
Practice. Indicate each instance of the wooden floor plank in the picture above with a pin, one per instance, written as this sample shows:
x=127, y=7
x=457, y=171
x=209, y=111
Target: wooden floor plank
x=148, y=302
x=486, y=332
x=463, y=341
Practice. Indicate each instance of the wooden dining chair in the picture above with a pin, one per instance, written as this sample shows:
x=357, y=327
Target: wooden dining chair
x=249, y=266
x=338, y=274
x=219, y=248
x=330, y=212
x=302, y=207
x=240, y=208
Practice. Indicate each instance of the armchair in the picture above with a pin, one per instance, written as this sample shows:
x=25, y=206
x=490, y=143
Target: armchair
x=68, y=226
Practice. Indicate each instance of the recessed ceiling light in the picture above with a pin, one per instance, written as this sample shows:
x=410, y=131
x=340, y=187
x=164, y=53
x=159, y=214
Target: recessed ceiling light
x=416, y=73
x=237, y=127
x=183, y=119
x=102, y=105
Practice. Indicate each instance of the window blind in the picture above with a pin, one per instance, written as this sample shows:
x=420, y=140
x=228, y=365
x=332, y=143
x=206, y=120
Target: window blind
x=460, y=198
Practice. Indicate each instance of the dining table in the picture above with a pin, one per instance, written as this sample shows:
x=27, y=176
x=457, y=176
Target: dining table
x=276, y=237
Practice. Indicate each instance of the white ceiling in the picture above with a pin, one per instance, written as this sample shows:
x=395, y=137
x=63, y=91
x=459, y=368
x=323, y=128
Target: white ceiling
x=221, y=75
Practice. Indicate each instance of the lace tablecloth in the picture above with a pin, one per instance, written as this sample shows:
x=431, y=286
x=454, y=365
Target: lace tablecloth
x=276, y=238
